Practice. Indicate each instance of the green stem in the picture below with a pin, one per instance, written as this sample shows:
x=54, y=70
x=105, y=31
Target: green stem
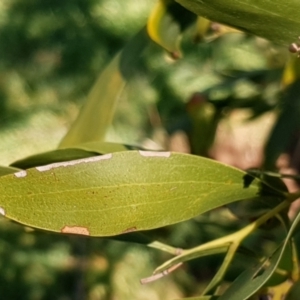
x=225, y=242
x=244, y=232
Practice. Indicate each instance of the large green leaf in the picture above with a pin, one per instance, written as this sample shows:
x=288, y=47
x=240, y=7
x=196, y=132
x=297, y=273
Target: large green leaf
x=120, y=192
x=275, y=20
x=96, y=115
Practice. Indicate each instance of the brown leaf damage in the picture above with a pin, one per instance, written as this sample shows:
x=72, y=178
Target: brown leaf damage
x=75, y=230
x=131, y=229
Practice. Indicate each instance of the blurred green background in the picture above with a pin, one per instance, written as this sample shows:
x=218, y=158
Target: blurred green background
x=51, y=53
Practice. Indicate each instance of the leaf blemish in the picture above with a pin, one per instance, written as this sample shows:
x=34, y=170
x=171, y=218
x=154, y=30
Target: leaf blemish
x=131, y=229
x=21, y=174
x=247, y=180
x=155, y=154
x=2, y=211
x=75, y=230
x=74, y=162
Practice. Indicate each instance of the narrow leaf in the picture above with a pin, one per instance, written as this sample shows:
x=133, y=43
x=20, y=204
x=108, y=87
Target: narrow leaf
x=189, y=255
x=291, y=71
x=250, y=281
x=201, y=298
x=51, y=157
x=7, y=170
x=96, y=115
x=67, y=154
x=120, y=192
x=222, y=270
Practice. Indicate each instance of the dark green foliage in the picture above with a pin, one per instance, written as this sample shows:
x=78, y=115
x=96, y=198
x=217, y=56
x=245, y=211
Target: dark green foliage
x=51, y=52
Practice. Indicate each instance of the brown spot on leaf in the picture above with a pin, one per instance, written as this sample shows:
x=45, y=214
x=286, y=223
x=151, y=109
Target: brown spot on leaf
x=131, y=229
x=75, y=230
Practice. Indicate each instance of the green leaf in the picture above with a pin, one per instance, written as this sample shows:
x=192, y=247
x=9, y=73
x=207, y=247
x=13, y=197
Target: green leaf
x=222, y=270
x=294, y=292
x=291, y=71
x=97, y=113
x=77, y=152
x=250, y=281
x=7, y=170
x=274, y=20
x=189, y=255
x=120, y=192
x=166, y=24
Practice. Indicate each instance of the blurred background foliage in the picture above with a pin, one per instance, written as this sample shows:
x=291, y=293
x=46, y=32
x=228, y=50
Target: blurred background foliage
x=51, y=52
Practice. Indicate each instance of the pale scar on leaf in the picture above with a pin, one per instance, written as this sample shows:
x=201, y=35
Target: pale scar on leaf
x=75, y=230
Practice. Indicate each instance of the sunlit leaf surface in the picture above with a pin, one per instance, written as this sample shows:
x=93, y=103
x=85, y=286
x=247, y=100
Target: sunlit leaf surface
x=120, y=192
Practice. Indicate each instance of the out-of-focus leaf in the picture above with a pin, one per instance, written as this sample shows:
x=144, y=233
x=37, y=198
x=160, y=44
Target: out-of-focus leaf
x=201, y=298
x=189, y=255
x=276, y=292
x=205, y=119
x=250, y=281
x=104, y=147
x=97, y=113
x=274, y=20
x=288, y=123
x=7, y=170
x=140, y=238
x=166, y=23
x=77, y=152
x=51, y=157
x=120, y=192
x=291, y=71
x=202, y=26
